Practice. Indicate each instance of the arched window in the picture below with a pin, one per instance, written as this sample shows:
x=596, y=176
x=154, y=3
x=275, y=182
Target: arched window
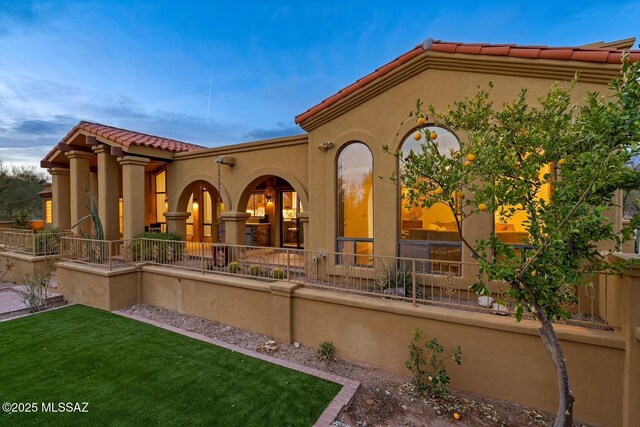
x=428, y=233
x=355, y=204
x=511, y=222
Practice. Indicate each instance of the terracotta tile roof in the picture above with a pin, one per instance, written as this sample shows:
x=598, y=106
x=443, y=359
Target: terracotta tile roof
x=127, y=138
x=586, y=54
x=46, y=193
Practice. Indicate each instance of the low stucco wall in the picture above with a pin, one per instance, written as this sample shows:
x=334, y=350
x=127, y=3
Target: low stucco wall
x=239, y=302
x=108, y=290
x=501, y=358
x=23, y=265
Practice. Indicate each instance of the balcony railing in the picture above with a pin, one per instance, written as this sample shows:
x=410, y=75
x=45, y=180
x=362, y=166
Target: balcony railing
x=13, y=230
x=415, y=281
x=35, y=244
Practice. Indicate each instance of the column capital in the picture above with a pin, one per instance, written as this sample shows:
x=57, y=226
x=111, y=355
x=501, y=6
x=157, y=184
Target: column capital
x=303, y=216
x=102, y=149
x=177, y=215
x=235, y=216
x=133, y=160
x=58, y=171
x=75, y=154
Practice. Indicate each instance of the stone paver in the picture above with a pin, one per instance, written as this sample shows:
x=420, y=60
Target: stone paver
x=339, y=402
x=11, y=298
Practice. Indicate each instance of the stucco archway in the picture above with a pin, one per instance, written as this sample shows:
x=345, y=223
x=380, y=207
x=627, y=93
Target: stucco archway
x=250, y=183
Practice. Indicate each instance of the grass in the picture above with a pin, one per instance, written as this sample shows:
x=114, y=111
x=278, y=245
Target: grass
x=135, y=374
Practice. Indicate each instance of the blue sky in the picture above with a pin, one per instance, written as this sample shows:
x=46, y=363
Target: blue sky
x=147, y=66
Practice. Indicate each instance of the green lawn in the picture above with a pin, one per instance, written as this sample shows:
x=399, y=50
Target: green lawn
x=132, y=373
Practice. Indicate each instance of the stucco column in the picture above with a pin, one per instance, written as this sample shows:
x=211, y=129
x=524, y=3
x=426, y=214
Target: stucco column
x=133, y=197
x=281, y=295
x=177, y=223
x=79, y=182
x=235, y=227
x=303, y=219
x=108, y=192
x=60, y=201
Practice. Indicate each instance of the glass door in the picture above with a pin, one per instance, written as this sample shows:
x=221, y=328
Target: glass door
x=291, y=232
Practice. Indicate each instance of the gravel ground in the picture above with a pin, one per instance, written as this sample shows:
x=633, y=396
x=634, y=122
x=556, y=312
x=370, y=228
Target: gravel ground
x=384, y=398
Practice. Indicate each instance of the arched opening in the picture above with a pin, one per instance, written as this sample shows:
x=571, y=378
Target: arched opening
x=274, y=207
x=202, y=201
x=428, y=232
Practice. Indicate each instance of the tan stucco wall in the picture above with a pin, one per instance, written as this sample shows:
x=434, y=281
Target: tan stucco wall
x=499, y=357
x=23, y=265
x=239, y=302
x=107, y=290
x=376, y=123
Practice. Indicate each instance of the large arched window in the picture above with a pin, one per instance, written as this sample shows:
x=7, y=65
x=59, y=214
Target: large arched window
x=355, y=204
x=511, y=222
x=428, y=233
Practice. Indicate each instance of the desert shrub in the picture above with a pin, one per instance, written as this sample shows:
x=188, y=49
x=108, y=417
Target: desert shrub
x=35, y=291
x=170, y=249
x=255, y=270
x=21, y=219
x=8, y=266
x=326, y=351
x=277, y=273
x=430, y=375
x=234, y=267
x=46, y=242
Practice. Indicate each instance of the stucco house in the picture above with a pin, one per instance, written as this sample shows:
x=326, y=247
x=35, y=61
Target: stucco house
x=317, y=190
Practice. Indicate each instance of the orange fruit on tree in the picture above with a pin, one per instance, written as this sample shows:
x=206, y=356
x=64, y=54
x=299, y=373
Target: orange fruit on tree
x=562, y=162
x=460, y=194
x=482, y=207
x=471, y=157
x=467, y=163
x=456, y=415
x=433, y=135
x=417, y=136
x=439, y=190
x=421, y=121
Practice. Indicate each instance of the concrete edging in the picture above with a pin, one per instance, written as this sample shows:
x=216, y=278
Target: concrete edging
x=339, y=402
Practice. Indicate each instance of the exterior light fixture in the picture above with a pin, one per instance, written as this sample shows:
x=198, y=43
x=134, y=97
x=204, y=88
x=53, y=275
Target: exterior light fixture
x=195, y=203
x=325, y=146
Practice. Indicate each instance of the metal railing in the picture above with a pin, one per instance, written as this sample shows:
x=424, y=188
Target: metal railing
x=416, y=281
x=13, y=230
x=36, y=244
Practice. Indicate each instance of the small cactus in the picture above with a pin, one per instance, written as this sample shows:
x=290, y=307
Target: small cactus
x=277, y=273
x=255, y=270
x=234, y=267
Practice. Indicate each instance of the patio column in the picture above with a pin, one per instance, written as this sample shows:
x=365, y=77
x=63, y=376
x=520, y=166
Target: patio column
x=303, y=219
x=60, y=201
x=108, y=192
x=133, y=197
x=235, y=227
x=79, y=162
x=177, y=223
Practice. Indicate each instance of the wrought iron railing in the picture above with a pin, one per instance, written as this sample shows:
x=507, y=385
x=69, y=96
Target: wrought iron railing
x=13, y=230
x=416, y=281
x=36, y=244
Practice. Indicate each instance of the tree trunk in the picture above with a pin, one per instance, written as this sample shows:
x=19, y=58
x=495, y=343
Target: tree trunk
x=564, y=418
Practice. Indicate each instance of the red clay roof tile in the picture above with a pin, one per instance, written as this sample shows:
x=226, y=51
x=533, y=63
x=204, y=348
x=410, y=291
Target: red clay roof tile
x=601, y=55
x=127, y=138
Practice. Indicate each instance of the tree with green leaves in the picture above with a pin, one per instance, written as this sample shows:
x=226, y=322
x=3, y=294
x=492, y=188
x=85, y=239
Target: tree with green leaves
x=498, y=170
x=19, y=187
